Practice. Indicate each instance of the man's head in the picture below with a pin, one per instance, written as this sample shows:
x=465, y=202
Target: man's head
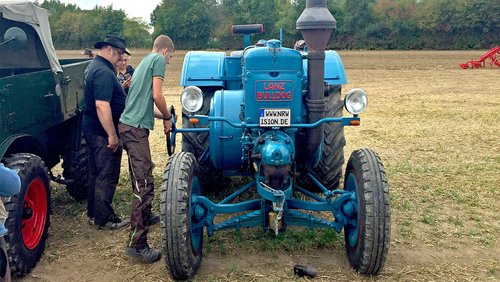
x=112, y=48
x=163, y=45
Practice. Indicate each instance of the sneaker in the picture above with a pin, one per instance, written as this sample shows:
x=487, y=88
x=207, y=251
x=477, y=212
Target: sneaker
x=115, y=223
x=153, y=219
x=145, y=255
x=91, y=221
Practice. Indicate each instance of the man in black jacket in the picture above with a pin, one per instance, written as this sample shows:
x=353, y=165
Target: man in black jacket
x=105, y=101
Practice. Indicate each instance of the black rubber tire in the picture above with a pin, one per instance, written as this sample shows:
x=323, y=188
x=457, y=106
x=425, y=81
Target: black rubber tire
x=370, y=250
x=197, y=143
x=76, y=167
x=181, y=258
x=29, y=168
x=329, y=169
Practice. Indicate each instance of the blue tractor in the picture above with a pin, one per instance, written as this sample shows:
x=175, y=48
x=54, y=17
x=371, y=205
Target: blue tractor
x=275, y=114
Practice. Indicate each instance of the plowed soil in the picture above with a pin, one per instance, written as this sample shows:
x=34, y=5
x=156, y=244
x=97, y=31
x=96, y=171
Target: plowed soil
x=436, y=128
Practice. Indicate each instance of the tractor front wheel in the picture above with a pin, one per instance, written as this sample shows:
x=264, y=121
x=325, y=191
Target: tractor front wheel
x=367, y=236
x=181, y=220
x=29, y=213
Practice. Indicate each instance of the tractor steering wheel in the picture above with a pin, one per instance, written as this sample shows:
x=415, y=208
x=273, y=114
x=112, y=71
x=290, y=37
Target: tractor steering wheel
x=171, y=134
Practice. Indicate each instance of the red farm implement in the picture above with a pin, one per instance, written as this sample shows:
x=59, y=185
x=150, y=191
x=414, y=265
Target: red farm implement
x=490, y=57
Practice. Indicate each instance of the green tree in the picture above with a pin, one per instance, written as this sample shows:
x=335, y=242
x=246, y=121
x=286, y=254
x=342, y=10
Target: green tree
x=136, y=33
x=187, y=22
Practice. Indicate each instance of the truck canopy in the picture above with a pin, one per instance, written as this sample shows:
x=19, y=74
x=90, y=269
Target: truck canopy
x=28, y=13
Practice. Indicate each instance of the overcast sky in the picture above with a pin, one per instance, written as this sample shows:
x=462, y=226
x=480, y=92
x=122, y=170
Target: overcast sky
x=133, y=8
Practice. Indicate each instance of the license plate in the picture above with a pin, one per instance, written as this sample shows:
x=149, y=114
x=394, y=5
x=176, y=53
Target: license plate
x=274, y=118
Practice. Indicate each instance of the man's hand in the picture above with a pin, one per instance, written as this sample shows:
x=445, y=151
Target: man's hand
x=167, y=125
x=126, y=83
x=113, y=142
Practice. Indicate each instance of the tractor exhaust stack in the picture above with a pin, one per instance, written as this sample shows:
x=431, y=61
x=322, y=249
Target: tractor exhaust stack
x=316, y=24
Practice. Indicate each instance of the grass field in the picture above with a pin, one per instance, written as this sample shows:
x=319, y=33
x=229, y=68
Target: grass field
x=436, y=128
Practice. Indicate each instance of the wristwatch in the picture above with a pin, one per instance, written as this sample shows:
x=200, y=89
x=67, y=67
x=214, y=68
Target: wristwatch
x=169, y=118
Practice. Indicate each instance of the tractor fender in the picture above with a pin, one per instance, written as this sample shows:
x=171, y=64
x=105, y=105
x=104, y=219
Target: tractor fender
x=334, y=68
x=202, y=68
x=22, y=143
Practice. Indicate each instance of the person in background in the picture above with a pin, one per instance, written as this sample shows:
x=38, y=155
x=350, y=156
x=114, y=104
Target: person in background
x=104, y=101
x=88, y=53
x=136, y=121
x=124, y=72
x=10, y=184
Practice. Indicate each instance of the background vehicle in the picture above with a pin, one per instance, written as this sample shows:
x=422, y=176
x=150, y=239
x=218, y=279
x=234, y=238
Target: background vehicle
x=41, y=100
x=275, y=114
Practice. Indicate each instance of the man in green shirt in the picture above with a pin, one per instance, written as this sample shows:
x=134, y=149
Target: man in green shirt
x=135, y=123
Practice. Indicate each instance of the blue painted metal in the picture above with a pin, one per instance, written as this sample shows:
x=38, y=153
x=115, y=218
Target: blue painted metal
x=197, y=215
x=201, y=68
x=343, y=207
x=225, y=145
x=204, y=68
x=352, y=228
x=275, y=147
x=267, y=76
x=346, y=121
x=272, y=79
x=334, y=68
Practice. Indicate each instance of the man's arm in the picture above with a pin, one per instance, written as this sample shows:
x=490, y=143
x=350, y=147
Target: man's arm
x=160, y=103
x=106, y=119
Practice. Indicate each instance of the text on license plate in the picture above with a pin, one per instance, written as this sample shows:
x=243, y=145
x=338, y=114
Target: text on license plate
x=274, y=117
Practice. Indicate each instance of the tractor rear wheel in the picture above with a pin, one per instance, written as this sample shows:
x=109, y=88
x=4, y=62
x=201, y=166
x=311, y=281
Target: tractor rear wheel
x=329, y=169
x=197, y=144
x=76, y=169
x=181, y=222
x=367, y=236
x=29, y=213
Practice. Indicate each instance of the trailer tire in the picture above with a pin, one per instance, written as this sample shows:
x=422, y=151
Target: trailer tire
x=76, y=168
x=197, y=144
x=367, y=237
x=181, y=231
x=29, y=213
x=329, y=169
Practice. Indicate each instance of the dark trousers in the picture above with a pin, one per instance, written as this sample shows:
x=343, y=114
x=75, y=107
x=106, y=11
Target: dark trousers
x=104, y=175
x=135, y=142
x=4, y=262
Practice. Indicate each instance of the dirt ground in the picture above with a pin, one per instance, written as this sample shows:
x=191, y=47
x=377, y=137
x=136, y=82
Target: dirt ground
x=435, y=127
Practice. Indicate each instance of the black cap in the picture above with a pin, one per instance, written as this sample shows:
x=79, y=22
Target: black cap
x=114, y=41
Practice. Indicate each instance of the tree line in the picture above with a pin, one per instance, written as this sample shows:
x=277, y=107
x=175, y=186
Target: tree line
x=361, y=24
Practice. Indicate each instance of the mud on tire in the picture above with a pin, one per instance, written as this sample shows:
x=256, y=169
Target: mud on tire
x=29, y=213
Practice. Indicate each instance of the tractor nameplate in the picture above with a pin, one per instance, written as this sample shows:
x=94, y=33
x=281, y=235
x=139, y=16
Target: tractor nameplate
x=274, y=117
x=277, y=91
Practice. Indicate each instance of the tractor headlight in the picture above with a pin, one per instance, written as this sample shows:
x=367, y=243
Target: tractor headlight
x=192, y=99
x=355, y=101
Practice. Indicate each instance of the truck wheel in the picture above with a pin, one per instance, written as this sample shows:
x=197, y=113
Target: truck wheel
x=197, y=143
x=76, y=168
x=181, y=222
x=367, y=235
x=29, y=213
x=329, y=169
